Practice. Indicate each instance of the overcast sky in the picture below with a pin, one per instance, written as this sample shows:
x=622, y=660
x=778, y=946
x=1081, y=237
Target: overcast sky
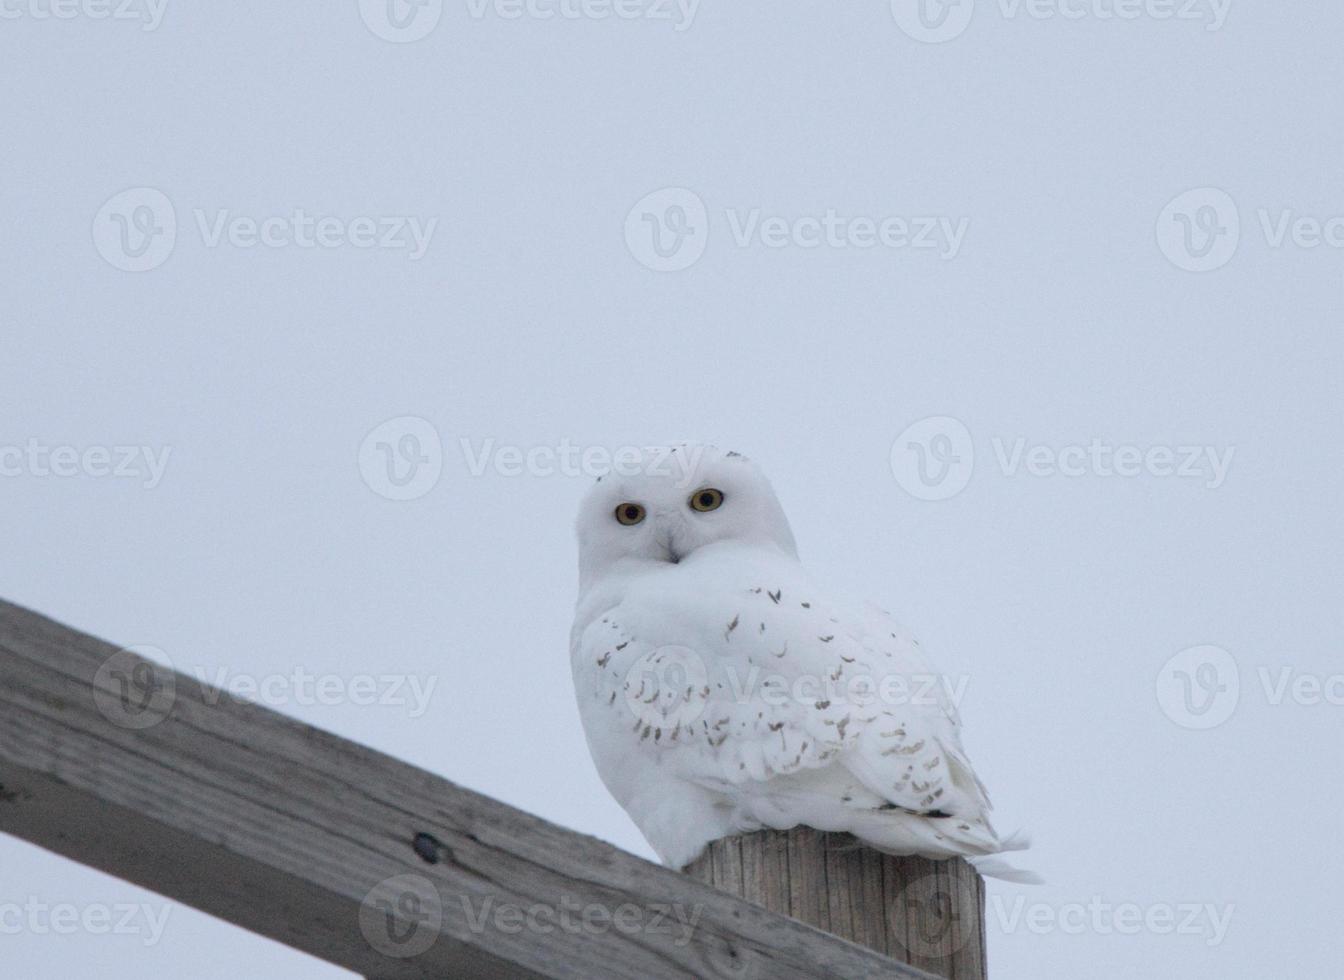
x=289, y=290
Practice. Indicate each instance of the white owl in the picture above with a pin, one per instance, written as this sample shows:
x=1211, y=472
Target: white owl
x=723, y=692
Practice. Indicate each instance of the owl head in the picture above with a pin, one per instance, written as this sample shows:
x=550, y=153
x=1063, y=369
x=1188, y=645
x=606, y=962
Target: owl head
x=671, y=502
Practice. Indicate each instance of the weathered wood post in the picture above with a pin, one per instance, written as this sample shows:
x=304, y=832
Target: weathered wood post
x=384, y=869
x=930, y=914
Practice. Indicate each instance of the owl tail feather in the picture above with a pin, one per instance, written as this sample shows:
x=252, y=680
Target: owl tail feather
x=993, y=866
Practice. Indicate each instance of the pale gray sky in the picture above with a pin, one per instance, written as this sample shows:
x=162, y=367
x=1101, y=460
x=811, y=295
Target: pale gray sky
x=489, y=268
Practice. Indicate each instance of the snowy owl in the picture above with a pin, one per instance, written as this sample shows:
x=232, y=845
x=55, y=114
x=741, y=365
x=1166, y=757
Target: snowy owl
x=723, y=692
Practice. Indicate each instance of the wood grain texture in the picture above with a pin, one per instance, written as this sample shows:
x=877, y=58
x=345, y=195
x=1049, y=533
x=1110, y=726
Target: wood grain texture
x=928, y=914
x=343, y=852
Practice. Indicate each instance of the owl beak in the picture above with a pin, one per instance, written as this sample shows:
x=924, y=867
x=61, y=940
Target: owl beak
x=669, y=549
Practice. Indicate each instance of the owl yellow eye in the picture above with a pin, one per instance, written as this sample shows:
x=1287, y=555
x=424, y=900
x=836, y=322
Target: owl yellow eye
x=707, y=499
x=630, y=514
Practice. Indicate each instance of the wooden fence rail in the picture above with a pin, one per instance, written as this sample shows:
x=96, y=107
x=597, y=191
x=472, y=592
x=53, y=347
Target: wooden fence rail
x=343, y=852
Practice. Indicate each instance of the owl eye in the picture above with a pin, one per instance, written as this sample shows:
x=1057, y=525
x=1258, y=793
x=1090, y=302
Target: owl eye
x=706, y=500
x=630, y=514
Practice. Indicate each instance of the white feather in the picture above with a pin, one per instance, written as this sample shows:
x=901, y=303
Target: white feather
x=722, y=691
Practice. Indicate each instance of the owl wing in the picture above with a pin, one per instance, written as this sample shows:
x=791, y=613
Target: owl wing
x=796, y=710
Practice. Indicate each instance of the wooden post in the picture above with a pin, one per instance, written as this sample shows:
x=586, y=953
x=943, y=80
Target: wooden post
x=355, y=857
x=929, y=914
